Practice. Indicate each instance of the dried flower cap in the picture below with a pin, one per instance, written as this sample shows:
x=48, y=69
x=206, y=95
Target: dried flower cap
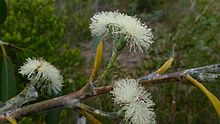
x=137, y=34
x=135, y=101
x=43, y=74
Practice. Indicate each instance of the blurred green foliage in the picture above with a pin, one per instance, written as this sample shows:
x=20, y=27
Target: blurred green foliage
x=3, y=11
x=35, y=26
x=53, y=29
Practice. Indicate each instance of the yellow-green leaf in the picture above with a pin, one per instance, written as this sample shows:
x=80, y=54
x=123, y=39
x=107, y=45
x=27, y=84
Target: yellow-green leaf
x=11, y=120
x=213, y=99
x=165, y=66
x=98, y=58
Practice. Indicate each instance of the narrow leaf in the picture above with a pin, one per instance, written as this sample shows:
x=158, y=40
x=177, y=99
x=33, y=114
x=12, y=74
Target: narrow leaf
x=168, y=63
x=98, y=58
x=3, y=11
x=11, y=120
x=89, y=117
x=7, y=77
x=212, y=98
x=165, y=66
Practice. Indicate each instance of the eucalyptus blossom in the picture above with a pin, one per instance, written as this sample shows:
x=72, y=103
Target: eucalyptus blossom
x=42, y=74
x=135, y=101
x=122, y=28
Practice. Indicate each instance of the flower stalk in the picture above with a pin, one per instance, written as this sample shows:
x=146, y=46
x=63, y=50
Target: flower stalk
x=114, y=56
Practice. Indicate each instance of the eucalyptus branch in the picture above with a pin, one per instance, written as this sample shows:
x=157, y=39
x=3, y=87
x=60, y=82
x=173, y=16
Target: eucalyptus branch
x=69, y=101
x=72, y=100
x=28, y=94
x=215, y=68
x=205, y=73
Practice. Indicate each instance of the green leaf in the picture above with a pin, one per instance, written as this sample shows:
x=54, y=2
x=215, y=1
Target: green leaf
x=7, y=79
x=3, y=11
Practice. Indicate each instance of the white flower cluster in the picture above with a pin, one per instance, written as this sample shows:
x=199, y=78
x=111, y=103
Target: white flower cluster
x=135, y=101
x=137, y=34
x=43, y=74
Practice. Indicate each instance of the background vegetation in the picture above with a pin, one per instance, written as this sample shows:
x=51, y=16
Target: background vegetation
x=58, y=30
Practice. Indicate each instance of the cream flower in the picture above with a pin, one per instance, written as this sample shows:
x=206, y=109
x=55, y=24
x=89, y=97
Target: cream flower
x=137, y=34
x=135, y=101
x=126, y=90
x=140, y=112
x=102, y=21
x=43, y=74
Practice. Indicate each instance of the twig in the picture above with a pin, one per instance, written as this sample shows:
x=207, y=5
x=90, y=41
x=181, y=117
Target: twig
x=28, y=94
x=72, y=100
